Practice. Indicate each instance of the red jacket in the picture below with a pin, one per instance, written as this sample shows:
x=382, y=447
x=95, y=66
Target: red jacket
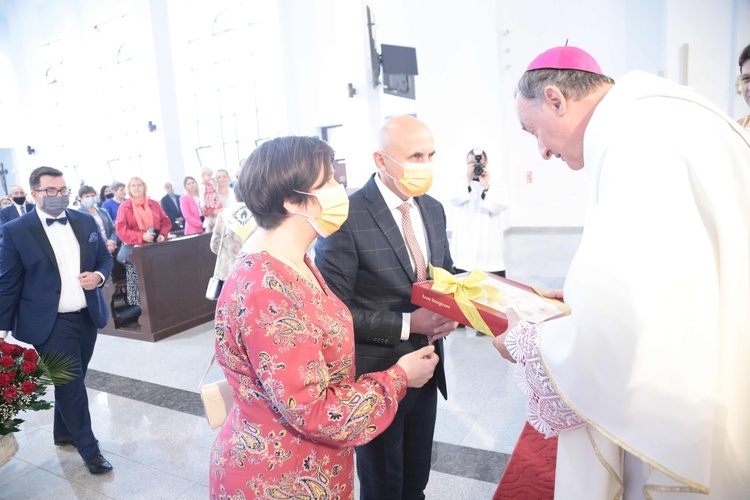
x=127, y=225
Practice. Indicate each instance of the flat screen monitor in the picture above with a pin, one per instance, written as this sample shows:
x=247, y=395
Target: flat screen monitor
x=399, y=60
x=399, y=85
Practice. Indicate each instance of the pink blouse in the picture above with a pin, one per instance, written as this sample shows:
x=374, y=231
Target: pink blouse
x=192, y=215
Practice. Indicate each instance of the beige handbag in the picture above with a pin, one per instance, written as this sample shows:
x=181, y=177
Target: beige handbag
x=217, y=399
x=213, y=290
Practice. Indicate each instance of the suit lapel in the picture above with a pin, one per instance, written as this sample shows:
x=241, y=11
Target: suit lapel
x=80, y=233
x=384, y=219
x=40, y=236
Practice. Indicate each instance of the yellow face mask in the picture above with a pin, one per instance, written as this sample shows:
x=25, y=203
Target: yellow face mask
x=334, y=210
x=417, y=178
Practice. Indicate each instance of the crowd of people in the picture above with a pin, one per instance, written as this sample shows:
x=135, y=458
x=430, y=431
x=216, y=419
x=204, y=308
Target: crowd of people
x=644, y=382
x=84, y=241
x=143, y=220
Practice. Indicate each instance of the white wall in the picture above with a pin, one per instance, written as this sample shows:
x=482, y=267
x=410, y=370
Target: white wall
x=63, y=121
x=470, y=56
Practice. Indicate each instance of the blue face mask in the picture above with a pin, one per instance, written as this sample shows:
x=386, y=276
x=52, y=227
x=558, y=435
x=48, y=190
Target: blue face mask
x=89, y=202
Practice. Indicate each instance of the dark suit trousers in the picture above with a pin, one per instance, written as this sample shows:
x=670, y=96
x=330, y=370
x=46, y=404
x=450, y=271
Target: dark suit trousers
x=74, y=335
x=396, y=464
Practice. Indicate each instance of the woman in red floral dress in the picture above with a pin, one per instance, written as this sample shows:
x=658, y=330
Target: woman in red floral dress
x=286, y=343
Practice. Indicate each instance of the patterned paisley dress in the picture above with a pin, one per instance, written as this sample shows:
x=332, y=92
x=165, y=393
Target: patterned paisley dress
x=287, y=350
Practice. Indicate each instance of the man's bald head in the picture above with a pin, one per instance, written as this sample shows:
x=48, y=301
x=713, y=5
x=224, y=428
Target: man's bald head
x=402, y=139
x=400, y=128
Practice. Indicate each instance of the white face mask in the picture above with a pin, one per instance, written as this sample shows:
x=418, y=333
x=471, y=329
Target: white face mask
x=417, y=178
x=334, y=210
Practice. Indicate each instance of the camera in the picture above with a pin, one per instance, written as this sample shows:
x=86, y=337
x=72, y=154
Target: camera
x=154, y=231
x=478, y=167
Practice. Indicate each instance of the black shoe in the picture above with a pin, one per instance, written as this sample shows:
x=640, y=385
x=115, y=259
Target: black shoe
x=97, y=464
x=63, y=441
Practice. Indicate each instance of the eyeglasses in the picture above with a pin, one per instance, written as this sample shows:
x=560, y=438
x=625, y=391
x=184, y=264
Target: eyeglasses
x=65, y=191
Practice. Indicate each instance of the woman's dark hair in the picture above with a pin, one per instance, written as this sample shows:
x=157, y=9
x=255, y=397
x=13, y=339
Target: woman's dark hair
x=101, y=193
x=187, y=178
x=85, y=190
x=277, y=168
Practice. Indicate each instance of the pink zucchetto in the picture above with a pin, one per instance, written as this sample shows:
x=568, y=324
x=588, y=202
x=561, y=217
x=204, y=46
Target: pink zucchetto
x=566, y=58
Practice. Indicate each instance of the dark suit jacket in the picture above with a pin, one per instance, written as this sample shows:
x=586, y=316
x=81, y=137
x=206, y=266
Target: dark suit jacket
x=172, y=211
x=109, y=225
x=366, y=264
x=7, y=214
x=30, y=281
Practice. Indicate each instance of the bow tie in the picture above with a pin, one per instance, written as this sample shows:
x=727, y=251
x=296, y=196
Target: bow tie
x=61, y=220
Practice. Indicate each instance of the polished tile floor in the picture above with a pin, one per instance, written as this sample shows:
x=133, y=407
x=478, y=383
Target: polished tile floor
x=147, y=414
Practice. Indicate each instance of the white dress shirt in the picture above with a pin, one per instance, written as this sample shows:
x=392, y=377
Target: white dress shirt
x=393, y=202
x=68, y=255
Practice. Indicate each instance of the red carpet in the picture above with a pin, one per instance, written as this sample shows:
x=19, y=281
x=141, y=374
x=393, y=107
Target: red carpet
x=530, y=473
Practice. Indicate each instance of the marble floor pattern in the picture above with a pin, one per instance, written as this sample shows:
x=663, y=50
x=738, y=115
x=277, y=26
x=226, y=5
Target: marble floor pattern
x=147, y=414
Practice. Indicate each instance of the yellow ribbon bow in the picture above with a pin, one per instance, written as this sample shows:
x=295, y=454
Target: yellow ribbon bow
x=464, y=291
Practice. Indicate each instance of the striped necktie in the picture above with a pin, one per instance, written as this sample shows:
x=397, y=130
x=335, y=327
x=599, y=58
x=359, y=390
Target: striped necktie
x=411, y=243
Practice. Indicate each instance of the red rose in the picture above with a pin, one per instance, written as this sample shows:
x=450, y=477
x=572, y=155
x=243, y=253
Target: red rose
x=7, y=348
x=30, y=354
x=10, y=393
x=28, y=387
x=12, y=375
x=7, y=361
x=4, y=379
x=28, y=367
x=17, y=350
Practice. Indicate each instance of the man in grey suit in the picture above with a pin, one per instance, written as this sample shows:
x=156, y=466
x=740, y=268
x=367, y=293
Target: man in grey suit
x=392, y=232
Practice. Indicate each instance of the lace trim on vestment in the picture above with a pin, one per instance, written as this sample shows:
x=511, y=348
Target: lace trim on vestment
x=545, y=411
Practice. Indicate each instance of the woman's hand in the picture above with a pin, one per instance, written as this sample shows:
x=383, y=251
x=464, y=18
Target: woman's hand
x=111, y=246
x=147, y=237
x=160, y=238
x=419, y=366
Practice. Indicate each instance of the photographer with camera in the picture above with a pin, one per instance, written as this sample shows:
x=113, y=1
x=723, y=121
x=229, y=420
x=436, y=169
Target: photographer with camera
x=477, y=238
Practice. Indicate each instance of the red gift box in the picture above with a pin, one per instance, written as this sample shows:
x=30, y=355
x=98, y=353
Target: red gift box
x=525, y=300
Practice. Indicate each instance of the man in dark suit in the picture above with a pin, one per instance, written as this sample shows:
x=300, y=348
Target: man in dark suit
x=53, y=263
x=171, y=205
x=19, y=207
x=392, y=232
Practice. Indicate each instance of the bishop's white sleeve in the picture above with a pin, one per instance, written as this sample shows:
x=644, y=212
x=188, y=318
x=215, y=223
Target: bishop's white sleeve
x=545, y=411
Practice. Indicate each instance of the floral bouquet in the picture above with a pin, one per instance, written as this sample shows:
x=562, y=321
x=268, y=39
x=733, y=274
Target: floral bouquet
x=24, y=376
